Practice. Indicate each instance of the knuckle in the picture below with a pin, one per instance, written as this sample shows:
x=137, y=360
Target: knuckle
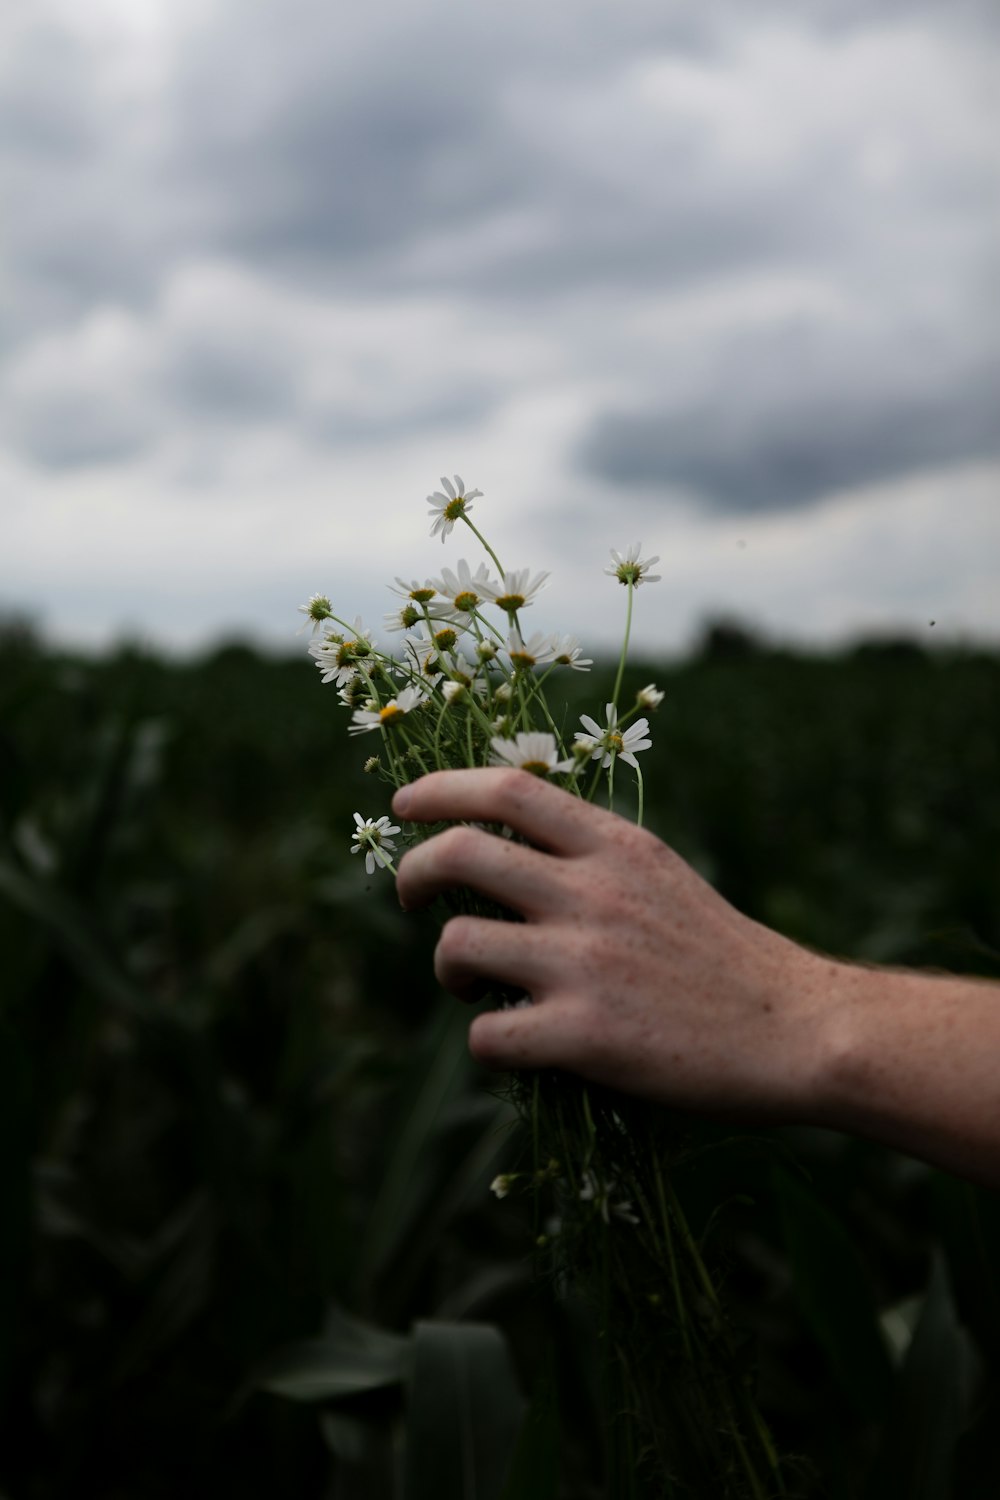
x=454, y=848
x=455, y=939
x=514, y=788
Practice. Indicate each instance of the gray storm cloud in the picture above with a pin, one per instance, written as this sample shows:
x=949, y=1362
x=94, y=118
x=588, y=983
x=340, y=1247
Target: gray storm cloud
x=737, y=259
x=831, y=425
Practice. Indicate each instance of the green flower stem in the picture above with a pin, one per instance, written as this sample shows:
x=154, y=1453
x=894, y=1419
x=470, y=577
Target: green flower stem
x=707, y=1285
x=628, y=631
x=385, y=860
x=629, y=714
x=709, y=1289
x=536, y=692
x=482, y=620
x=402, y=730
x=611, y=783
x=523, y=720
x=439, y=762
x=476, y=532
x=397, y=776
x=639, y=783
x=671, y=1255
x=595, y=780
x=536, y=1204
x=484, y=721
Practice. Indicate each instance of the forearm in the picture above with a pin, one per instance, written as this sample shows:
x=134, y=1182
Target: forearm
x=913, y=1060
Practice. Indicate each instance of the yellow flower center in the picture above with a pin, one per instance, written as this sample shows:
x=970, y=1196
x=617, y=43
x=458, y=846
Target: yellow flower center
x=511, y=602
x=454, y=508
x=445, y=639
x=390, y=712
x=536, y=767
x=421, y=596
x=347, y=653
x=613, y=742
x=522, y=660
x=466, y=600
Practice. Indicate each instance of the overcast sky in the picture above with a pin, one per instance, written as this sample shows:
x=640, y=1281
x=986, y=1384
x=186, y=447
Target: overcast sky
x=719, y=277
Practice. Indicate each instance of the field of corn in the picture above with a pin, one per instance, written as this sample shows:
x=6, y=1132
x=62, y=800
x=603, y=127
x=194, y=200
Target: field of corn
x=247, y=1242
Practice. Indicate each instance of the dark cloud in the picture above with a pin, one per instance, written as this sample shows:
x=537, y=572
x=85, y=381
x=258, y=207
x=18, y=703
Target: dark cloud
x=744, y=450
x=370, y=152
x=68, y=430
x=219, y=379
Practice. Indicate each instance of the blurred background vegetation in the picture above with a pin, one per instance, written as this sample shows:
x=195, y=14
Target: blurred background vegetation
x=246, y=1220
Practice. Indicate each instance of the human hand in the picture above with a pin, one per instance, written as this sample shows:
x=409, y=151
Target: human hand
x=643, y=978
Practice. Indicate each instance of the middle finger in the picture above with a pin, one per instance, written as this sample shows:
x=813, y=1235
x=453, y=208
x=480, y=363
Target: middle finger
x=516, y=876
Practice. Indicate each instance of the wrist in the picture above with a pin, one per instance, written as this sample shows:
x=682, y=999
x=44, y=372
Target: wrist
x=845, y=1050
x=822, y=1063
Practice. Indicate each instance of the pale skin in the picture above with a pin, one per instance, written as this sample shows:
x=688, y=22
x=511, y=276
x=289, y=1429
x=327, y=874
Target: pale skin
x=643, y=978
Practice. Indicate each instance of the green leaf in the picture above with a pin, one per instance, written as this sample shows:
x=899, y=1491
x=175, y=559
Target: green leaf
x=73, y=932
x=17, y=1209
x=916, y=1457
x=534, y=1473
x=834, y=1294
x=350, y=1358
x=439, y=1072
x=464, y=1411
x=968, y=1220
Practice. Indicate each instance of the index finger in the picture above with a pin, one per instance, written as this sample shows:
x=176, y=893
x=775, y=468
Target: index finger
x=547, y=816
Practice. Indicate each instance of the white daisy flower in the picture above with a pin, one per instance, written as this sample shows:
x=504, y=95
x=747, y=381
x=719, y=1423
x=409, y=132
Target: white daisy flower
x=415, y=591
x=525, y=654
x=410, y=615
x=464, y=589
x=364, y=720
x=447, y=508
x=372, y=837
x=445, y=637
x=632, y=568
x=356, y=694
x=599, y=1193
x=427, y=660
x=501, y=1185
x=405, y=618
x=533, y=752
x=649, y=696
x=316, y=609
x=453, y=691
x=566, y=649
x=605, y=743
x=337, y=656
x=515, y=590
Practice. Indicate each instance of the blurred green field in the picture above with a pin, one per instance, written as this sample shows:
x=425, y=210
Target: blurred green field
x=237, y=1113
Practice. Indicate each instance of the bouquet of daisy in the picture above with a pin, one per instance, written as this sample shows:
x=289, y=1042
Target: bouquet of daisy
x=468, y=685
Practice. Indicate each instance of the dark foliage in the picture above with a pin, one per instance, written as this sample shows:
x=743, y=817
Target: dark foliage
x=238, y=1120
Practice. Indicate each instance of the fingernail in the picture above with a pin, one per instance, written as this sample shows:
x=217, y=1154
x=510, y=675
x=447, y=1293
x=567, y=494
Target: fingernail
x=401, y=801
